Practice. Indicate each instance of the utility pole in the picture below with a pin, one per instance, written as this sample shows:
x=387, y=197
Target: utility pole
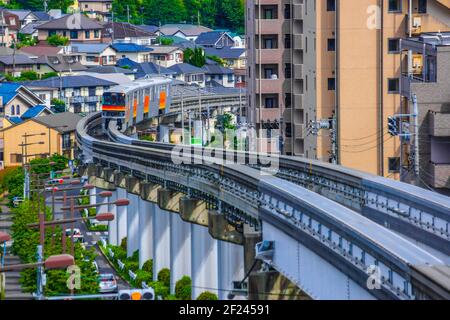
x=128, y=13
x=45, y=5
x=416, y=138
x=182, y=118
x=198, y=17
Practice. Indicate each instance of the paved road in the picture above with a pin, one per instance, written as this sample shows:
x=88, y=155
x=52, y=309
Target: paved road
x=12, y=285
x=90, y=240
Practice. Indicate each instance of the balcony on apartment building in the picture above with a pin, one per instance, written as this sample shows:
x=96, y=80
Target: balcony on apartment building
x=84, y=99
x=421, y=18
x=298, y=11
x=269, y=51
x=439, y=130
x=268, y=19
x=423, y=68
x=269, y=81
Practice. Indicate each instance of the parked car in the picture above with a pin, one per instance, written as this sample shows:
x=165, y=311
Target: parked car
x=55, y=181
x=77, y=235
x=107, y=283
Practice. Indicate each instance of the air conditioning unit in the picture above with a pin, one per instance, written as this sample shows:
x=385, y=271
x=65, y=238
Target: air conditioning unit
x=417, y=22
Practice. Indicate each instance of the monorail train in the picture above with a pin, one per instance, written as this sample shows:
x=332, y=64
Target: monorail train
x=131, y=103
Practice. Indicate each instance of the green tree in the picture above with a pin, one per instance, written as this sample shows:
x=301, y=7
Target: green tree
x=57, y=40
x=58, y=105
x=123, y=7
x=195, y=57
x=164, y=11
x=231, y=14
x=164, y=41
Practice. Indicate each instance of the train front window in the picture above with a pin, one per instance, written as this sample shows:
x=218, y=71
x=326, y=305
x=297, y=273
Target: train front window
x=113, y=99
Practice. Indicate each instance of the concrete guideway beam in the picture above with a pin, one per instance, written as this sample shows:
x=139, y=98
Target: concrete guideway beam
x=220, y=229
x=169, y=200
x=194, y=211
x=149, y=191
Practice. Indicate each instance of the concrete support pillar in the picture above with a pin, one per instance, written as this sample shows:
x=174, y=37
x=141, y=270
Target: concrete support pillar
x=121, y=216
x=92, y=197
x=104, y=207
x=132, y=224
x=146, y=212
x=180, y=249
x=161, y=240
x=204, y=261
x=112, y=225
x=230, y=267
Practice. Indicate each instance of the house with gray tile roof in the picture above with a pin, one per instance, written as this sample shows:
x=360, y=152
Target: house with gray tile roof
x=188, y=73
x=76, y=27
x=187, y=31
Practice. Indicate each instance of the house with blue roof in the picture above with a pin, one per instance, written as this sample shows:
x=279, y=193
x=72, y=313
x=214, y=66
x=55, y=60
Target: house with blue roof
x=132, y=51
x=16, y=99
x=93, y=54
x=141, y=70
x=188, y=73
x=214, y=39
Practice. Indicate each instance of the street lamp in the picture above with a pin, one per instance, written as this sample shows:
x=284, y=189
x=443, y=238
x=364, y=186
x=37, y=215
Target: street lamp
x=53, y=262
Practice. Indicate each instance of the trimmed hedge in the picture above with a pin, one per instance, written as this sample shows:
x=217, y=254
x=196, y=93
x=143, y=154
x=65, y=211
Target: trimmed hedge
x=183, y=288
x=164, y=277
x=207, y=296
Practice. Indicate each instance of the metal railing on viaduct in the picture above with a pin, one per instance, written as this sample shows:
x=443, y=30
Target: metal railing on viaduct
x=315, y=209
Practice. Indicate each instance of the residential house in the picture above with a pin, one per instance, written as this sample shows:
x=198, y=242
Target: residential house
x=76, y=27
x=92, y=54
x=36, y=111
x=41, y=50
x=132, y=51
x=16, y=64
x=31, y=29
x=189, y=74
x=81, y=93
x=16, y=99
x=218, y=75
x=214, y=39
x=122, y=32
x=96, y=9
x=166, y=56
x=144, y=69
x=129, y=73
x=149, y=28
x=234, y=58
x=9, y=26
x=59, y=130
x=187, y=31
x=63, y=65
x=25, y=16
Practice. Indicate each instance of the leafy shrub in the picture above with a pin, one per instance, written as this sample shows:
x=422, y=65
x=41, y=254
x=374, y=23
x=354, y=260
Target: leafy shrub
x=131, y=265
x=183, y=288
x=148, y=266
x=143, y=276
x=123, y=244
x=207, y=296
x=164, y=277
x=160, y=289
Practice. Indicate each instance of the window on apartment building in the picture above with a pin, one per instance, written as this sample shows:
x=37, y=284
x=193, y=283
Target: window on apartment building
x=270, y=42
x=331, y=84
x=394, y=164
x=270, y=102
x=287, y=100
x=422, y=6
x=287, y=70
x=288, y=130
x=394, y=6
x=86, y=6
x=287, y=11
x=394, y=45
x=87, y=34
x=73, y=34
x=269, y=12
x=287, y=41
x=331, y=44
x=393, y=85
x=331, y=5
x=15, y=158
